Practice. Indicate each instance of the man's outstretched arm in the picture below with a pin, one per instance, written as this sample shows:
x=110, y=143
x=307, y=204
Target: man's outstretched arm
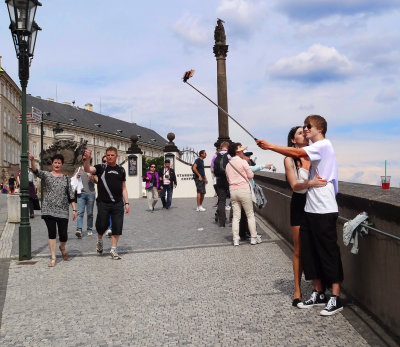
x=286, y=151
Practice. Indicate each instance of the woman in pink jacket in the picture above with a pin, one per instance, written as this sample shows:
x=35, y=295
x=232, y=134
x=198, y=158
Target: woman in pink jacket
x=152, y=185
x=238, y=174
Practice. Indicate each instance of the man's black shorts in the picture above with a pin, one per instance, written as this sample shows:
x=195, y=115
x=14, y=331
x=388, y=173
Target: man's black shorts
x=105, y=210
x=320, y=253
x=200, y=185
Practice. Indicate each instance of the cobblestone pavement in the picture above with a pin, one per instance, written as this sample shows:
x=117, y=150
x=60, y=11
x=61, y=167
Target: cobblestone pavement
x=180, y=282
x=3, y=211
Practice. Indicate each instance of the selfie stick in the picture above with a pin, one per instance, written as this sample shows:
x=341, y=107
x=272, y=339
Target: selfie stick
x=189, y=74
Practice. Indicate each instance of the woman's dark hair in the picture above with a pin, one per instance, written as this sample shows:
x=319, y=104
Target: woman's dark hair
x=290, y=137
x=57, y=156
x=233, y=147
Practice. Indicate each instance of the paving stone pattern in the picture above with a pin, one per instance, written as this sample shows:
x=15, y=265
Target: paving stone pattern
x=175, y=286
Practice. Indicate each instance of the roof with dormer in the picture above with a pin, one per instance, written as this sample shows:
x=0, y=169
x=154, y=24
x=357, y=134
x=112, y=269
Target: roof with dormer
x=82, y=118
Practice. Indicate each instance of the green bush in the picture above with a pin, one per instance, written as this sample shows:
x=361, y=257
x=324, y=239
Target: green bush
x=146, y=162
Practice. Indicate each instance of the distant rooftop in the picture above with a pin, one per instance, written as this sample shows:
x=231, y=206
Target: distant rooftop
x=65, y=113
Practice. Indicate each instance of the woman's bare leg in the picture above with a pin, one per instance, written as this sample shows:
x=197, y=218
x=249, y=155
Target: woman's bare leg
x=297, y=268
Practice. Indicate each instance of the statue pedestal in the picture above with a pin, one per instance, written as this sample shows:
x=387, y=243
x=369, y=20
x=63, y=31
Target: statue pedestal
x=13, y=208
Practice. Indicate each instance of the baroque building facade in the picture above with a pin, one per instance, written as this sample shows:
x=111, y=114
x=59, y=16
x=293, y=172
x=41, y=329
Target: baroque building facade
x=98, y=130
x=10, y=130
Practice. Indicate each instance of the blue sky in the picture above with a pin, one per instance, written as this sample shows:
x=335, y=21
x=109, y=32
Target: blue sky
x=286, y=59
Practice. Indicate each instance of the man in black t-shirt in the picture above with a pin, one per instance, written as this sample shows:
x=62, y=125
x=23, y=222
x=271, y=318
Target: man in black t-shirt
x=11, y=184
x=200, y=179
x=112, y=199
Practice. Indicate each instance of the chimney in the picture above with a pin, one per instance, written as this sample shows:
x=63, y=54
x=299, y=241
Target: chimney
x=89, y=107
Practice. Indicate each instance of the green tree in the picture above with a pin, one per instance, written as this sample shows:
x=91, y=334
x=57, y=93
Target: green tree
x=146, y=162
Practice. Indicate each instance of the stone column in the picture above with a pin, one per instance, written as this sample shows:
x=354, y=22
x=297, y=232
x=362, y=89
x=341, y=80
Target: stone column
x=170, y=150
x=220, y=51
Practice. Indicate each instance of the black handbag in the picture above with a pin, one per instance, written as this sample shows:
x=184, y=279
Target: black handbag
x=36, y=204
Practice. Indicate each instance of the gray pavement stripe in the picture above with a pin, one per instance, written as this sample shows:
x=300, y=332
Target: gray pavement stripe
x=6, y=240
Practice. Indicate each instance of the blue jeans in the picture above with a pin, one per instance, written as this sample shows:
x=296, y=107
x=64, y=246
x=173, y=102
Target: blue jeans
x=167, y=189
x=87, y=200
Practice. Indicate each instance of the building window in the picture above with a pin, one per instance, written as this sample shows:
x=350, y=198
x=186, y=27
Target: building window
x=34, y=148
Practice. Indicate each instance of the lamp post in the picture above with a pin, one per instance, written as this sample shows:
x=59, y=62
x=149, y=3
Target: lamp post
x=24, y=32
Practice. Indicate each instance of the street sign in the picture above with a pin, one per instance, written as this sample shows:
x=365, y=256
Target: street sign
x=36, y=114
x=29, y=119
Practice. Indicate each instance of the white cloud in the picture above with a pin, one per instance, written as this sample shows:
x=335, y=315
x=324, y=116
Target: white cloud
x=388, y=95
x=243, y=16
x=318, y=64
x=243, y=12
x=306, y=10
x=191, y=29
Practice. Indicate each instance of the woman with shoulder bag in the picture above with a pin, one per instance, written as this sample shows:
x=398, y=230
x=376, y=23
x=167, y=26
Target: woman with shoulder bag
x=55, y=206
x=238, y=174
x=152, y=186
x=297, y=175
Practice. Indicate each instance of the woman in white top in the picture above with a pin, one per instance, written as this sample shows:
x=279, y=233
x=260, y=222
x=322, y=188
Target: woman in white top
x=297, y=175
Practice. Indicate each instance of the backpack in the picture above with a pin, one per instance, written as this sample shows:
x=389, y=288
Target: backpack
x=220, y=163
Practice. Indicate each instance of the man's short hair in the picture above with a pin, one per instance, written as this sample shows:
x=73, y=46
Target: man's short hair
x=224, y=144
x=167, y=161
x=111, y=148
x=202, y=152
x=318, y=121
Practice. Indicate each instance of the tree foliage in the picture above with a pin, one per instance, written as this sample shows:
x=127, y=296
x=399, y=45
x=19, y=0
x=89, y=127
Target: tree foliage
x=146, y=162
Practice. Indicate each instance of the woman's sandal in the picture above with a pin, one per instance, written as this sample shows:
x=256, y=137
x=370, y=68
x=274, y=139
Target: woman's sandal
x=52, y=262
x=64, y=253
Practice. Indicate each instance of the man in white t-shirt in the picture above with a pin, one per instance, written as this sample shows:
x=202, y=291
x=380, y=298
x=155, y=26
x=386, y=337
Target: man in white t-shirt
x=320, y=253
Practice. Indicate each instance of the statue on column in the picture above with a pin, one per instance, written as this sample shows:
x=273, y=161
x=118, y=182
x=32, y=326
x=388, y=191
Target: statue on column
x=219, y=33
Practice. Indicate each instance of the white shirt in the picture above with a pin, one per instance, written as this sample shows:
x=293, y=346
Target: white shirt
x=323, y=164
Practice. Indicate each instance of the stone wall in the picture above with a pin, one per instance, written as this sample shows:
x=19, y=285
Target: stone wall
x=372, y=278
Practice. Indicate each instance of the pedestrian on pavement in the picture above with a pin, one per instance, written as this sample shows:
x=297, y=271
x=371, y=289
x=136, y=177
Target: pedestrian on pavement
x=243, y=225
x=167, y=182
x=86, y=195
x=152, y=185
x=214, y=179
x=297, y=173
x=18, y=180
x=55, y=205
x=320, y=253
x=238, y=174
x=33, y=199
x=200, y=179
x=219, y=169
x=112, y=198
x=109, y=228
x=11, y=184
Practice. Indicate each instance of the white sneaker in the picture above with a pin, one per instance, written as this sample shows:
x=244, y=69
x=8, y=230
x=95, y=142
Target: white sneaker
x=259, y=239
x=227, y=208
x=109, y=232
x=236, y=242
x=201, y=209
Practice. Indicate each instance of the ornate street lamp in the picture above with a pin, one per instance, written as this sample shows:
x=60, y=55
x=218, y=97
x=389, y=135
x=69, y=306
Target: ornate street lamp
x=24, y=32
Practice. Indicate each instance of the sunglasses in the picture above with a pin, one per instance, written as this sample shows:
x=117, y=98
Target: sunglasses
x=308, y=126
